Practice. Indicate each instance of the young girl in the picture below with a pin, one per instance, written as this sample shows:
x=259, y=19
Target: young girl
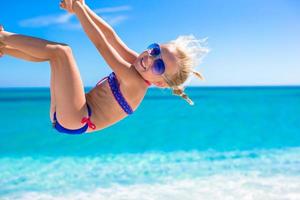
x=116, y=96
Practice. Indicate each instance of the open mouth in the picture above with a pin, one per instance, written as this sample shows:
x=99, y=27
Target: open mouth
x=142, y=64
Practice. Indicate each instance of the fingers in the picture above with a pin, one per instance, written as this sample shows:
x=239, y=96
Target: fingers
x=1, y=46
x=62, y=4
x=1, y=37
x=68, y=4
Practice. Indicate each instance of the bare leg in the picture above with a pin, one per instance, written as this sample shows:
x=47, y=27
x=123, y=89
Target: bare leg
x=19, y=54
x=35, y=47
x=69, y=93
x=6, y=50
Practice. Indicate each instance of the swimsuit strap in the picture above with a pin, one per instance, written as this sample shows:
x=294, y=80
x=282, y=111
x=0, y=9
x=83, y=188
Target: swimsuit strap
x=87, y=120
x=115, y=88
x=89, y=110
x=148, y=83
x=99, y=82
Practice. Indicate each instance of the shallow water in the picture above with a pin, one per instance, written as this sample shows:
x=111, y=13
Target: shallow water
x=235, y=143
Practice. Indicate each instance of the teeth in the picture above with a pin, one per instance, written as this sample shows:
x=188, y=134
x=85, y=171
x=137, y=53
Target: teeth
x=142, y=64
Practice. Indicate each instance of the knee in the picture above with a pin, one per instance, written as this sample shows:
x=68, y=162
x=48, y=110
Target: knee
x=60, y=51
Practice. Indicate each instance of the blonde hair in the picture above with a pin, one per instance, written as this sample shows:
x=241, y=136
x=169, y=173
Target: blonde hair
x=189, y=53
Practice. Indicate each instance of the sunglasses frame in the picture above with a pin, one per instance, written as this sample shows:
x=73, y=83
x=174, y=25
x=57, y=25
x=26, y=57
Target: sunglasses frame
x=158, y=57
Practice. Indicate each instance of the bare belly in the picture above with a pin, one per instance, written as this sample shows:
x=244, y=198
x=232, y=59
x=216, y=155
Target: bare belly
x=105, y=109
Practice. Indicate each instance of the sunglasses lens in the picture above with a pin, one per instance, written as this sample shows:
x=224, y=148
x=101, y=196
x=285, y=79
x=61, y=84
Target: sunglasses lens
x=154, y=49
x=158, y=67
x=155, y=52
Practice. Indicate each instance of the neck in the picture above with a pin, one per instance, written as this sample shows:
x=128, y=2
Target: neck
x=147, y=82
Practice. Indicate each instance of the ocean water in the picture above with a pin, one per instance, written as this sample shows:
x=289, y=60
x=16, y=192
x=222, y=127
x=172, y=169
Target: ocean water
x=235, y=143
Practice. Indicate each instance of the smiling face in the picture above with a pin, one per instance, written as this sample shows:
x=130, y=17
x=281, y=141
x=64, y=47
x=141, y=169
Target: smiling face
x=143, y=65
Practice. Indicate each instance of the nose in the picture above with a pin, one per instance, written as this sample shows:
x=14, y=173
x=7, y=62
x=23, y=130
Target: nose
x=148, y=60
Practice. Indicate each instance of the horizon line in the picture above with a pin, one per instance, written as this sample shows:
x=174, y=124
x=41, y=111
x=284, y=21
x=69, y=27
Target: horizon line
x=192, y=86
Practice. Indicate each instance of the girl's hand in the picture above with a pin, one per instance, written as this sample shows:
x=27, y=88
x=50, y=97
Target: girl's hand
x=68, y=4
x=1, y=53
x=82, y=2
x=1, y=44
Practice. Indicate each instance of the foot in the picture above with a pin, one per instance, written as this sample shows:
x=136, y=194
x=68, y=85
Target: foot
x=1, y=53
x=2, y=45
x=1, y=34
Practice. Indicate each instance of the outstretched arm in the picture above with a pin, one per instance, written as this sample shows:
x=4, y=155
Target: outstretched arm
x=126, y=53
x=111, y=56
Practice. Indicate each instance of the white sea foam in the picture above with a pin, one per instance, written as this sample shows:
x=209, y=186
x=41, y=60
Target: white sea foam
x=223, y=187
x=259, y=174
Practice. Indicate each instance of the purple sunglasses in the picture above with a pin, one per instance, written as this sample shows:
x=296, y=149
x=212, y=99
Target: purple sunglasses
x=158, y=66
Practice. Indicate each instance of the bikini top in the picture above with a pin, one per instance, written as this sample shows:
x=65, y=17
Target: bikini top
x=115, y=89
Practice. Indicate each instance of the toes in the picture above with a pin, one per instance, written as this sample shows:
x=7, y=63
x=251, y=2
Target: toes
x=2, y=45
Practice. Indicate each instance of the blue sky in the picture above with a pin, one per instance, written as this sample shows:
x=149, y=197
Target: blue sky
x=252, y=42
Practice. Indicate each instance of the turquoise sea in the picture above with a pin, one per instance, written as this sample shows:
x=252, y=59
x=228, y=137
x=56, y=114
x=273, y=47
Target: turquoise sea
x=236, y=143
